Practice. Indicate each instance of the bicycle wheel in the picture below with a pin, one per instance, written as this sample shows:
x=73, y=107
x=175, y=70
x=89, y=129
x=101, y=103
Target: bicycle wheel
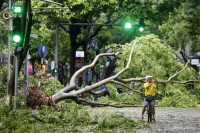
x=149, y=113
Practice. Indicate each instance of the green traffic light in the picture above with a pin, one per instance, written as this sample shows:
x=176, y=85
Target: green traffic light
x=16, y=38
x=141, y=29
x=17, y=9
x=128, y=25
x=55, y=71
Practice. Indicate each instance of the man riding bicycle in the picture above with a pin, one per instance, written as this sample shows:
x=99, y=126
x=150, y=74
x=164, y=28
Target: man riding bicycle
x=150, y=87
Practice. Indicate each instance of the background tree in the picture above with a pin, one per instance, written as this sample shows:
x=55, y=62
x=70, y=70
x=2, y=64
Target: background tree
x=181, y=29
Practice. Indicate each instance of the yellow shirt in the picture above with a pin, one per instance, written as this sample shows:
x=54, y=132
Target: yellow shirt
x=150, y=90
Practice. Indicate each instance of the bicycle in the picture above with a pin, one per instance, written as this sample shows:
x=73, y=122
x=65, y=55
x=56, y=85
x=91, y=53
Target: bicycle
x=149, y=107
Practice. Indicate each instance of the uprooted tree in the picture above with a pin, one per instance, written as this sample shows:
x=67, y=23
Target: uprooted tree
x=72, y=91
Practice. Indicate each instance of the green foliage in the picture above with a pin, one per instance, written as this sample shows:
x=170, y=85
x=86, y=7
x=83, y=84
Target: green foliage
x=48, y=86
x=126, y=97
x=105, y=100
x=182, y=26
x=152, y=57
x=44, y=120
x=70, y=118
x=3, y=80
x=179, y=96
x=117, y=121
x=3, y=35
x=130, y=98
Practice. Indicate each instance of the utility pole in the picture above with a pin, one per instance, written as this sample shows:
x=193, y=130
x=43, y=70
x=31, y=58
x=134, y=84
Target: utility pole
x=25, y=76
x=16, y=79
x=56, y=50
x=9, y=42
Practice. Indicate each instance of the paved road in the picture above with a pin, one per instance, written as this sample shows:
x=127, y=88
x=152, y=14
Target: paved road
x=169, y=120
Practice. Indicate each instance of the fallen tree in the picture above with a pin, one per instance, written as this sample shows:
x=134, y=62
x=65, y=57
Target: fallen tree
x=73, y=91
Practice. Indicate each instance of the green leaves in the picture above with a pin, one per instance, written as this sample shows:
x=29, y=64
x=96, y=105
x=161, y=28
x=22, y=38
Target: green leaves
x=182, y=25
x=152, y=57
x=117, y=121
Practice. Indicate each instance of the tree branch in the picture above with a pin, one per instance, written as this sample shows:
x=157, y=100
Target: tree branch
x=98, y=92
x=117, y=82
x=118, y=105
x=107, y=80
x=37, y=118
x=186, y=82
x=131, y=79
x=129, y=61
x=61, y=94
x=159, y=81
x=99, y=28
x=73, y=79
x=170, y=78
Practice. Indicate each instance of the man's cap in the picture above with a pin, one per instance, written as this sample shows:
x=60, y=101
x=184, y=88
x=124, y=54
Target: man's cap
x=148, y=76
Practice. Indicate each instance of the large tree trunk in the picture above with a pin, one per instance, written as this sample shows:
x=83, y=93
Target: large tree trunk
x=22, y=55
x=107, y=71
x=74, y=31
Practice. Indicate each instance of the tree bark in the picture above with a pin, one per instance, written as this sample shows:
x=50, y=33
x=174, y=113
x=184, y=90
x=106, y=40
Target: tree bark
x=1, y=4
x=107, y=71
x=74, y=31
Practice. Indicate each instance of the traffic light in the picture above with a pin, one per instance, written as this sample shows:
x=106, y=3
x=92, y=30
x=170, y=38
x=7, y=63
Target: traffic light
x=16, y=33
x=55, y=71
x=141, y=25
x=141, y=29
x=128, y=25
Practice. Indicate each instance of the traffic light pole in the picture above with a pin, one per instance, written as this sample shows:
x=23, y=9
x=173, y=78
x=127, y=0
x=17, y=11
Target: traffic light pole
x=56, y=50
x=16, y=79
x=9, y=43
x=25, y=76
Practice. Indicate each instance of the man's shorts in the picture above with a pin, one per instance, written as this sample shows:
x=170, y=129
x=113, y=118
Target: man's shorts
x=152, y=102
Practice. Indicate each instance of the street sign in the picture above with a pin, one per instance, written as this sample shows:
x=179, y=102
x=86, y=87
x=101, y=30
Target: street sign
x=195, y=61
x=79, y=63
x=94, y=43
x=79, y=53
x=89, y=76
x=198, y=54
x=52, y=65
x=40, y=51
